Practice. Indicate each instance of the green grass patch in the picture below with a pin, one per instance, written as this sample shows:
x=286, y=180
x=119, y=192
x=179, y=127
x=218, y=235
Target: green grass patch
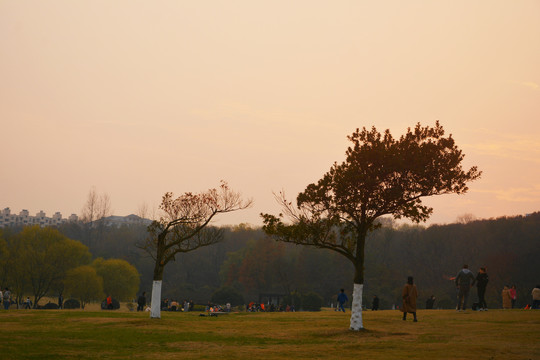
x=439, y=334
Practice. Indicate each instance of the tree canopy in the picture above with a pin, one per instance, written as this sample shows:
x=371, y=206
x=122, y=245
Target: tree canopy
x=184, y=227
x=380, y=176
x=120, y=278
x=39, y=259
x=84, y=283
x=184, y=224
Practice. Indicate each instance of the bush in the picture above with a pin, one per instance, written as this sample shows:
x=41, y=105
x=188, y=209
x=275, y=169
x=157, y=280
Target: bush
x=293, y=298
x=226, y=295
x=311, y=302
x=50, y=306
x=72, y=304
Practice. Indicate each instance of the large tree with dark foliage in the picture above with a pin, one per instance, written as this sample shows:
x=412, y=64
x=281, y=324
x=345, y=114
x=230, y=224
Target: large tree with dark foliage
x=184, y=227
x=380, y=176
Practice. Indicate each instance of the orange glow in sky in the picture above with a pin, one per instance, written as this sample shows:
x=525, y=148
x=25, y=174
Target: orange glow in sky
x=136, y=98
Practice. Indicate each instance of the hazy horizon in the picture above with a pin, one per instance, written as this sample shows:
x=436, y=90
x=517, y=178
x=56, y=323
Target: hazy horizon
x=137, y=98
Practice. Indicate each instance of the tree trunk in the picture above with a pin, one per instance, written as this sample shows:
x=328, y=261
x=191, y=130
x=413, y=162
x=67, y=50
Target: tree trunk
x=358, y=290
x=155, y=312
x=159, y=267
x=356, y=313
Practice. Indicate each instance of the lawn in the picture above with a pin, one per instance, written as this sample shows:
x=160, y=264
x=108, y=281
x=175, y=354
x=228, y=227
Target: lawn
x=439, y=334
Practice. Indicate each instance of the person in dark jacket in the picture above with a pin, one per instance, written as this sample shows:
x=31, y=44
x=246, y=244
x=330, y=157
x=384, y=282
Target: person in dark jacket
x=464, y=281
x=375, y=304
x=482, y=280
x=141, y=302
x=342, y=299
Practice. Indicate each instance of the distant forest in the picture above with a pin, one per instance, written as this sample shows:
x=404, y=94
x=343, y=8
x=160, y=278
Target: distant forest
x=252, y=264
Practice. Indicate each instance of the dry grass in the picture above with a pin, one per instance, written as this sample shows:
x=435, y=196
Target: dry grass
x=439, y=334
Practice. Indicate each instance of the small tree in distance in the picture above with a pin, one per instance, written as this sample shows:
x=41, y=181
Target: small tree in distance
x=184, y=227
x=120, y=278
x=84, y=284
x=380, y=176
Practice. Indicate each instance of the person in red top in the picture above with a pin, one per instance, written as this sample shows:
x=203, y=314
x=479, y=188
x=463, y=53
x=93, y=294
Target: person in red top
x=513, y=295
x=109, y=302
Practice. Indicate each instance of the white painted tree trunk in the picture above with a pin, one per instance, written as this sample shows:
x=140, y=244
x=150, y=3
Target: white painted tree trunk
x=356, y=314
x=155, y=312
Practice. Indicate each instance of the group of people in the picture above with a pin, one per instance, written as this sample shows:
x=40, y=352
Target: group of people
x=166, y=304
x=509, y=296
x=173, y=305
x=256, y=307
x=464, y=281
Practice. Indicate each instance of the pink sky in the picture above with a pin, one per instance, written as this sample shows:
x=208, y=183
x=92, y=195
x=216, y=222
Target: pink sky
x=136, y=98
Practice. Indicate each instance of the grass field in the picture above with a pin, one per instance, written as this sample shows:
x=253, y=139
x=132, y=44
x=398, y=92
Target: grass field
x=439, y=334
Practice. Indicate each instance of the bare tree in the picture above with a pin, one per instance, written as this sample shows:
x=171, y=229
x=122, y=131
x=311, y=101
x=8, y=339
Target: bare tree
x=104, y=206
x=466, y=218
x=96, y=207
x=142, y=211
x=89, y=210
x=184, y=226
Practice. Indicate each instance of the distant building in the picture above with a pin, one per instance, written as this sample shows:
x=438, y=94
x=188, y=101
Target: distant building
x=24, y=218
x=125, y=220
x=7, y=219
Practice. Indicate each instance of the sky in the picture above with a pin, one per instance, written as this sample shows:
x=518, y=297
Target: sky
x=138, y=98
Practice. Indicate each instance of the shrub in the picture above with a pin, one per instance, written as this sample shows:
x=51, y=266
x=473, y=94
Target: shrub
x=226, y=295
x=293, y=298
x=72, y=304
x=311, y=302
x=50, y=306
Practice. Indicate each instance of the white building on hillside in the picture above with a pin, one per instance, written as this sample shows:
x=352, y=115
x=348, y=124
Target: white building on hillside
x=23, y=219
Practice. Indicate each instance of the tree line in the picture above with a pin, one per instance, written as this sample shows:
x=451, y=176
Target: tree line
x=251, y=263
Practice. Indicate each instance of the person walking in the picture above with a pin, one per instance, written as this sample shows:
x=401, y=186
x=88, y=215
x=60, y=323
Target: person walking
x=506, y=298
x=27, y=303
x=342, y=299
x=464, y=281
x=482, y=280
x=409, y=295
